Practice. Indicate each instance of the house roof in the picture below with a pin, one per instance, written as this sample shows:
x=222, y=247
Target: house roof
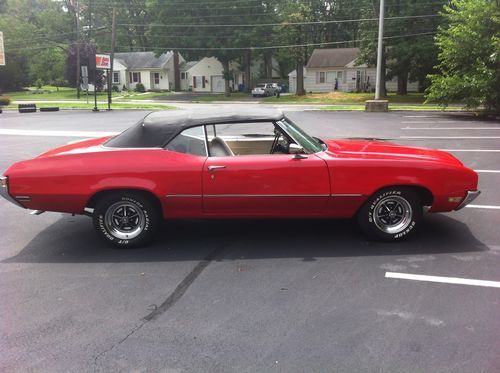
x=187, y=65
x=333, y=57
x=158, y=128
x=143, y=60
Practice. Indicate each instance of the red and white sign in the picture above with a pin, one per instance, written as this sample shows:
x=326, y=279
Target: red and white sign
x=102, y=61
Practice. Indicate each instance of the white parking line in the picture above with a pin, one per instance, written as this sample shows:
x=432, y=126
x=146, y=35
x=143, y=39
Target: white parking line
x=444, y=280
x=488, y=207
x=430, y=121
x=472, y=150
x=421, y=116
x=489, y=171
x=450, y=128
x=14, y=132
x=449, y=137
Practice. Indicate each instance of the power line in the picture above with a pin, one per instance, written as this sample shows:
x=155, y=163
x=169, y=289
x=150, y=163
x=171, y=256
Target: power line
x=280, y=24
x=283, y=46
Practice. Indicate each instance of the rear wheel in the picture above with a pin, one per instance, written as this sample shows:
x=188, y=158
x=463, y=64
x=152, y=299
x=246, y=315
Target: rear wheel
x=392, y=214
x=126, y=219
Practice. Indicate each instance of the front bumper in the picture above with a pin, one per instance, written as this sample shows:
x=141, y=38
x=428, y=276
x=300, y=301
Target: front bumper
x=471, y=196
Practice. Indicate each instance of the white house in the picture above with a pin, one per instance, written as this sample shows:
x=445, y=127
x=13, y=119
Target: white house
x=155, y=73
x=207, y=75
x=336, y=69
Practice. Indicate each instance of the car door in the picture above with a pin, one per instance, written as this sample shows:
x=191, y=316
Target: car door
x=240, y=177
x=265, y=186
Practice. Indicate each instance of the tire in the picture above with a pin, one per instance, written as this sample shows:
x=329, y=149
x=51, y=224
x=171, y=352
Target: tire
x=126, y=220
x=391, y=215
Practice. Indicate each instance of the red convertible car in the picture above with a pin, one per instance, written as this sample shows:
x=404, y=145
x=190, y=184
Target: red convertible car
x=244, y=164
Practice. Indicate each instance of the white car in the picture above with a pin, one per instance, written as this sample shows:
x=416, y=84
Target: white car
x=263, y=90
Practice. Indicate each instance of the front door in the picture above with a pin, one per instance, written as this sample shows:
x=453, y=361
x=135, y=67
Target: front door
x=270, y=185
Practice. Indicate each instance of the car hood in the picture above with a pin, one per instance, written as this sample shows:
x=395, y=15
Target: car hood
x=376, y=149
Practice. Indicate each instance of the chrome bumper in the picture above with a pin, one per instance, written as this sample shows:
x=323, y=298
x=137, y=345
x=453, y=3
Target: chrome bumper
x=4, y=192
x=471, y=196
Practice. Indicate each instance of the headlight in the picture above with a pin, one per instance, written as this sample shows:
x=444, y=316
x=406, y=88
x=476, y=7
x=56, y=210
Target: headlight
x=3, y=181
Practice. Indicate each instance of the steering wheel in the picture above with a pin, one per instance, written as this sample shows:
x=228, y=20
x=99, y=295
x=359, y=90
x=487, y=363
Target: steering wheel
x=277, y=147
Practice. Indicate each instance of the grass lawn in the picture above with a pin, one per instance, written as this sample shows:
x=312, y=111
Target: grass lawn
x=392, y=107
x=237, y=96
x=102, y=106
x=344, y=98
x=50, y=93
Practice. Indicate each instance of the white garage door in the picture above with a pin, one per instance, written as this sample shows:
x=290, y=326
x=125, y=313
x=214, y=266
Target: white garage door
x=217, y=82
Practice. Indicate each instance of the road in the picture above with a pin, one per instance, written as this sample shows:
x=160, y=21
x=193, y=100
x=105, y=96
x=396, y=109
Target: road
x=253, y=296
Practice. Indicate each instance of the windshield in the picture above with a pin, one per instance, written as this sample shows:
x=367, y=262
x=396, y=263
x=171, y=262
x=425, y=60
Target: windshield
x=303, y=139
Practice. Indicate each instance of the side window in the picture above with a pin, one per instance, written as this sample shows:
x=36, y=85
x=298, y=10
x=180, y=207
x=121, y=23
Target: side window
x=189, y=141
x=239, y=139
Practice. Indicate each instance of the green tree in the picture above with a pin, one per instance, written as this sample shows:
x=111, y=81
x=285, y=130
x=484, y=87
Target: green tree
x=48, y=65
x=469, y=56
x=408, y=58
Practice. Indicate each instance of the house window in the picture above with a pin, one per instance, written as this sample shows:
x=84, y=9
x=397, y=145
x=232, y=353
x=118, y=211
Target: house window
x=199, y=81
x=320, y=77
x=116, y=77
x=183, y=76
x=157, y=78
x=135, y=77
x=339, y=75
x=330, y=76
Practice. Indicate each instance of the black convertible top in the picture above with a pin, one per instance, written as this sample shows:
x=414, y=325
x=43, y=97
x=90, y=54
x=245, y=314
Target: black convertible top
x=158, y=128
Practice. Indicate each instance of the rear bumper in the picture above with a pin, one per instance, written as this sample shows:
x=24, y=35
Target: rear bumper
x=4, y=192
x=471, y=196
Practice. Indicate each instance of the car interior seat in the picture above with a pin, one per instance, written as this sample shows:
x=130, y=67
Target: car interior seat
x=219, y=148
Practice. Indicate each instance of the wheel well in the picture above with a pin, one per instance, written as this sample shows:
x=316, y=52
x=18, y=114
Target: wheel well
x=94, y=200
x=424, y=194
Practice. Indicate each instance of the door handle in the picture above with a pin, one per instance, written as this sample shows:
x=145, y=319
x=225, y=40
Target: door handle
x=213, y=168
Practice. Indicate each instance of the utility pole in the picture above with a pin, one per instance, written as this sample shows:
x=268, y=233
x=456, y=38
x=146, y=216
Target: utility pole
x=380, y=52
x=177, y=72
x=77, y=12
x=90, y=20
x=378, y=104
x=112, y=57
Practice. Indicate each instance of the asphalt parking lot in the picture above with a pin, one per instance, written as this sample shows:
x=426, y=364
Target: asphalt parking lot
x=254, y=296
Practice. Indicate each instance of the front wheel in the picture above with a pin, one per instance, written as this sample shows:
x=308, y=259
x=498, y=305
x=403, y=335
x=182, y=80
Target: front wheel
x=392, y=214
x=126, y=219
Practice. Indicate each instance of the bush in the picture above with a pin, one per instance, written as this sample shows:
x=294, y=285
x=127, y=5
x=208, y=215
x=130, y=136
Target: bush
x=115, y=88
x=124, y=88
x=39, y=83
x=4, y=100
x=139, y=87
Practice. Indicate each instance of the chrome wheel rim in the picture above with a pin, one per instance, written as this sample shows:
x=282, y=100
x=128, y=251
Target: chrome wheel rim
x=392, y=214
x=124, y=220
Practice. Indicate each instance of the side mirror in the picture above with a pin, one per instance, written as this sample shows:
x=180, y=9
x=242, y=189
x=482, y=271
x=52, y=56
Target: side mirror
x=295, y=149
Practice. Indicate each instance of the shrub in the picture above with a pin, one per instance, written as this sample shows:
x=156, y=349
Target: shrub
x=139, y=87
x=4, y=100
x=124, y=88
x=115, y=88
x=39, y=83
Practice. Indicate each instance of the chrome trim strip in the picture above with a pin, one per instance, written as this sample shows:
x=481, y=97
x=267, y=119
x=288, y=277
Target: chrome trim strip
x=347, y=195
x=471, y=196
x=266, y=195
x=259, y=195
x=183, y=196
x=23, y=198
x=205, y=139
